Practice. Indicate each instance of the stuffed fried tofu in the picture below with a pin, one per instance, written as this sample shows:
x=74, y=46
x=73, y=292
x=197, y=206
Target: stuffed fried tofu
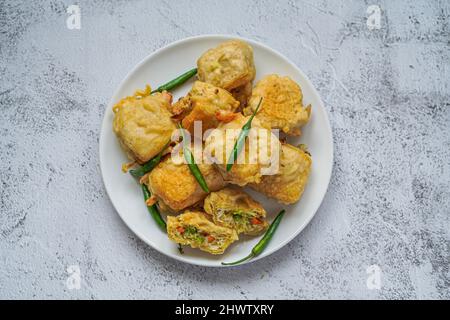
x=282, y=106
x=193, y=228
x=143, y=124
x=176, y=188
x=235, y=209
x=288, y=184
x=260, y=152
x=206, y=103
x=228, y=66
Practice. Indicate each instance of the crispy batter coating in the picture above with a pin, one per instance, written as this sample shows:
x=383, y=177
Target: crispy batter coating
x=228, y=66
x=181, y=108
x=175, y=186
x=260, y=152
x=193, y=228
x=203, y=103
x=287, y=186
x=282, y=106
x=235, y=209
x=143, y=124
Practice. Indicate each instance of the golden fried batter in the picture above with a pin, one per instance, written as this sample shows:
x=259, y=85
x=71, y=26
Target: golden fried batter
x=282, y=106
x=195, y=229
x=287, y=186
x=203, y=103
x=260, y=151
x=228, y=66
x=143, y=124
x=175, y=186
x=235, y=209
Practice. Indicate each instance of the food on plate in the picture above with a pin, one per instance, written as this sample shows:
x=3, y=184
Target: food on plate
x=190, y=161
x=149, y=165
x=240, y=140
x=206, y=103
x=288, y=184
x=195, y=229
x=176, y=188
x=282, y=106
x=206, y=212
x=235, y=209
x=153, y=208
x=143, y=124
x=228, y=66
x=262, y=244
x=259, y=152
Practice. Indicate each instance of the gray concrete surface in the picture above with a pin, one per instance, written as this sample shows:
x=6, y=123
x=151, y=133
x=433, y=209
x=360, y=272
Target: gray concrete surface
x=387, y=93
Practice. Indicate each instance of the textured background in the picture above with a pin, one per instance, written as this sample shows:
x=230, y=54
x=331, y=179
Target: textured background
x=388, y=98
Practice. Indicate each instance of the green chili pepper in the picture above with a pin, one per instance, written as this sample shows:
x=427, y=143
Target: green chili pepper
x=153, y=209
x=177, y=81
x=149, y=165
x=191, y=163
x=241, y=139
x=262, y=244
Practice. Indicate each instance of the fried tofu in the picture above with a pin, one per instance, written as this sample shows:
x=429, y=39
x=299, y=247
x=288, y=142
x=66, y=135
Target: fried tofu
x=228, y=66
x=193, y=228
x=282, y=106
x=205, y=102
x=288, y=184
x=260, y=152
x=143, y=124
x=235, y=209
x=176, y=188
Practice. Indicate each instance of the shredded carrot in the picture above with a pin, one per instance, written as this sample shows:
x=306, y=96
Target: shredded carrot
x=210, y=238
x=255, y=221
x=180, y=230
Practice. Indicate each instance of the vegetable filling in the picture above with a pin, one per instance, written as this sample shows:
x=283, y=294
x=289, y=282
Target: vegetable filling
x=193, y=234
x=240, y=219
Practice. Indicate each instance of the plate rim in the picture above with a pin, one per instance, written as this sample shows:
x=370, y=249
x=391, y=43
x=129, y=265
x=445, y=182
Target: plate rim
x=220, y=37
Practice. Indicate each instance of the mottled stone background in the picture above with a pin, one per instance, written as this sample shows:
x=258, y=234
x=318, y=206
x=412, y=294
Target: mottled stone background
x=388, y=98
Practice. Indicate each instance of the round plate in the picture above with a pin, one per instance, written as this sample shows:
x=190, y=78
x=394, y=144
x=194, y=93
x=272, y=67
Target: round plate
x=126, y=195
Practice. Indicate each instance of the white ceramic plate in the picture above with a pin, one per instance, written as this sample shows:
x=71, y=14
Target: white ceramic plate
x=166, y=64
